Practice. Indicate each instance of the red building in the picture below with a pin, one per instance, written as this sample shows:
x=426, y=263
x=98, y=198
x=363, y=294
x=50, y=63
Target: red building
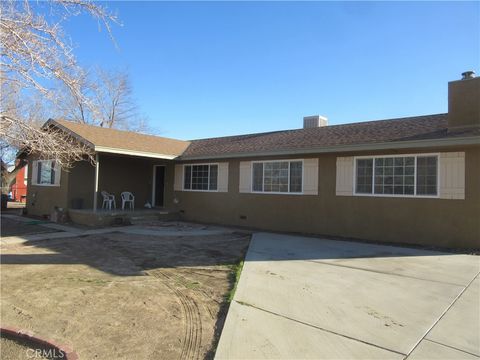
x=19, y=189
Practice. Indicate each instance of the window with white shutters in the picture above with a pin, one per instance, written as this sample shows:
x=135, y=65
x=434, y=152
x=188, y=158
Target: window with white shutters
x=46, y=173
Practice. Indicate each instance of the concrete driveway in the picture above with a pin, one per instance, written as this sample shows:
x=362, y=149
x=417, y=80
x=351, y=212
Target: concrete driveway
x=313, y=298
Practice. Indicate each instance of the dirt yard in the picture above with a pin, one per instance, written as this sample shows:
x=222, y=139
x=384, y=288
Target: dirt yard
x=122, y=296
x=15, y=349
x=11, y=227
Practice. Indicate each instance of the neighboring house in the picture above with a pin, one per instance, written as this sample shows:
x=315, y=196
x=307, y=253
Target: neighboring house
x=411, y=180
x=19, y=189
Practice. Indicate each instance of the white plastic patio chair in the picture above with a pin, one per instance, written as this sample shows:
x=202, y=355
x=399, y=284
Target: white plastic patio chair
x=108, y=200
x=128, y=199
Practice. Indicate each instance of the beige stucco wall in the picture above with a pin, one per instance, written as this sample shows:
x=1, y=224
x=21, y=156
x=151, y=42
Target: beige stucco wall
x=438, y=222
x=81, y=184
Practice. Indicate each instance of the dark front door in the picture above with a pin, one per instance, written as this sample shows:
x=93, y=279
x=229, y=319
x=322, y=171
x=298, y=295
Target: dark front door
x=159, y=185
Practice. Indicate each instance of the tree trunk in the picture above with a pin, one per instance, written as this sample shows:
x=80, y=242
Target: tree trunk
x=8, y=179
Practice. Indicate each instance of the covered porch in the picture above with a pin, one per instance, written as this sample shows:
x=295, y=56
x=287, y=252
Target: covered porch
x=150, y=180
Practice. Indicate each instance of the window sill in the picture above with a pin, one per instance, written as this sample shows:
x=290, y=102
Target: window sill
x=399, y=196
x=205, y=191
x=275, y=193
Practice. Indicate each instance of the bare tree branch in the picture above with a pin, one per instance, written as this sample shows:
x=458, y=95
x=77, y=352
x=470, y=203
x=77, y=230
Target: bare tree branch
x=35, y=56
x=115, y=107
x=107, y=101
x=48, y=143
x=35, y=51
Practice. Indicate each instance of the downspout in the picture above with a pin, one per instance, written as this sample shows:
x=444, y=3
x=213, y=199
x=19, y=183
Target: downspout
x=95, y=192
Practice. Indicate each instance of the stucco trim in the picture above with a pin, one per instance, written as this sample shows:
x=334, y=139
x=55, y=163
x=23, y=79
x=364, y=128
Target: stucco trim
x=470, y=140
x=245, y=177
x=178, y=178
x=344, y=179
x=452, y=175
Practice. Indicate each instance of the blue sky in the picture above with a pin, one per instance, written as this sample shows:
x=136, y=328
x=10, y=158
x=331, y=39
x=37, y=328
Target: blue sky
x=204, y=69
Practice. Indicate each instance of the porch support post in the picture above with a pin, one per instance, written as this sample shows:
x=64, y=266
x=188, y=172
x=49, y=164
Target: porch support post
x=95, y=192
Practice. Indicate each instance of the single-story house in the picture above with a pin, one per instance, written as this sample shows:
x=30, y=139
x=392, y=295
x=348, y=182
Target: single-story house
x=409, y=180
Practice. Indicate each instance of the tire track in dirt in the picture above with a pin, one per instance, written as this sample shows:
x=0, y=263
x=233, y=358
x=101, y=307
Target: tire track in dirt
x=193, y=324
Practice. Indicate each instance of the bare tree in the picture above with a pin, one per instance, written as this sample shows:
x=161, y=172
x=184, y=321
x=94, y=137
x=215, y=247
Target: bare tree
x=107, y=101
x=114, y=103
x=62, y=147
x=35, y=56
x=30, y=109
x=35, y=50
x=76, y=105
x=48, y=142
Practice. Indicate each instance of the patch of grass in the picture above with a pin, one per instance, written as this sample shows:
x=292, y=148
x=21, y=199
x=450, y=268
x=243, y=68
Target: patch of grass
x=235, y=277
x=36, y=222
x=182, y=281
x=192, y=285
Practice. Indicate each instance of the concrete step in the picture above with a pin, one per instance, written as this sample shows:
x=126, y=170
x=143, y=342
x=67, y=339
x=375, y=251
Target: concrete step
x=163, y=216
x=118, y=217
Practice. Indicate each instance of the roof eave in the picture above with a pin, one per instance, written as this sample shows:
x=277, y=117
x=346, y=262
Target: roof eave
x=103, y=149
x=52, y=122
x=68, y=131
x=470, y=140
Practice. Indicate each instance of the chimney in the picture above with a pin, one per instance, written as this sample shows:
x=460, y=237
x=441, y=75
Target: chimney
x=314, y=121
x=464, y=102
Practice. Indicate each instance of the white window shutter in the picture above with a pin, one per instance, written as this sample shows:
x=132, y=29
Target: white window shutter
x=58, y=174
x=178, y=184
x=344, y=182
x=310, y=176
x=223, y=177
x=34, y=172
x=452, y=175
x=245, y=180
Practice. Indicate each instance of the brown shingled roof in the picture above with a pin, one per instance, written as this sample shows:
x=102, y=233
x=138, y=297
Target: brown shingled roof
x=380, y=131
x=428, y=127
x=125, y=140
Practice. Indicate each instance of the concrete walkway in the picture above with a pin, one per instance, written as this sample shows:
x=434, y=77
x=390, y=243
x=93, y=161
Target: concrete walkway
x=64, y=231
x=313, y=298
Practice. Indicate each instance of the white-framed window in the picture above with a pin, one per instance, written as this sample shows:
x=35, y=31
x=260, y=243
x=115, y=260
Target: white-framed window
x=397, y=175
x=200, y=177
x=277, y=176
x=46, y=173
